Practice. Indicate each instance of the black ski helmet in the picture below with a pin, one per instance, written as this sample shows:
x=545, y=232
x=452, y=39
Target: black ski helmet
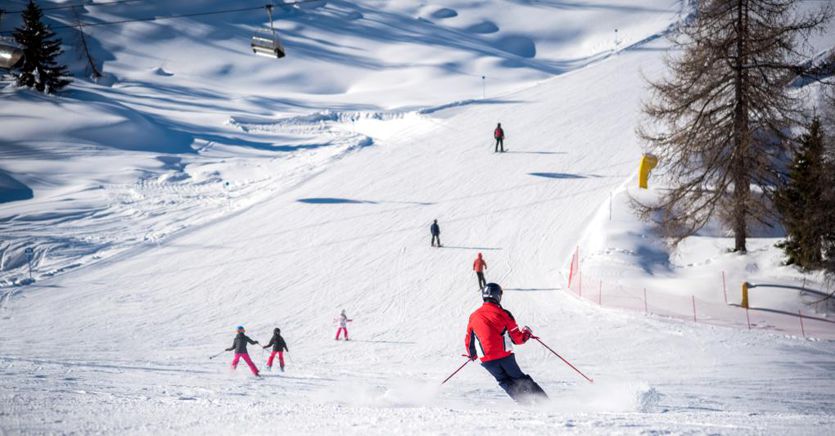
x=492, y=292
x=276, y=330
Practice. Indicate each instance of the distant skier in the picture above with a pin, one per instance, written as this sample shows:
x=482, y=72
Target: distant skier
x=343, y=325
x=239, y=345
x=499, y=135
x=279, y=347
x=479, y=266
x=435, y=229
x=487, y=332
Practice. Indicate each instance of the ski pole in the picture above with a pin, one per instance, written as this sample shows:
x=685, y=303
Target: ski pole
x=456, y=371
x=218, y=354
x=561, y=358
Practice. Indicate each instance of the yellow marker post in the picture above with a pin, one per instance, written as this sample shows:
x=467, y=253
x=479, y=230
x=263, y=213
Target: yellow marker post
x=648, y=162
x=745, y=286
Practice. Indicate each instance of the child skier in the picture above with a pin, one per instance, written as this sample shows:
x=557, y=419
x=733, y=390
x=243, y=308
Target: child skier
x=479, y=266
x=487, y=333
x=343, y=325
x=239, y=345
x=279, y=347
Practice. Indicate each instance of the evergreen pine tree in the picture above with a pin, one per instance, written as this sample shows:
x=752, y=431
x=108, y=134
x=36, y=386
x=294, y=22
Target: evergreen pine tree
x=803, y=202
x=39, y=68
x=828, y=207
x=828, y=218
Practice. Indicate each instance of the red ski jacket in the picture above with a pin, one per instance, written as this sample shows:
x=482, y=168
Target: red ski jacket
x=498, y=133
x=491, y=333
x=479, y=264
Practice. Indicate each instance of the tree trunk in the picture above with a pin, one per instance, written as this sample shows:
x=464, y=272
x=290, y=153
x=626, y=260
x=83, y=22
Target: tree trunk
x=741, y=175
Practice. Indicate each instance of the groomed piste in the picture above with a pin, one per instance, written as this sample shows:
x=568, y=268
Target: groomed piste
x=232, y=192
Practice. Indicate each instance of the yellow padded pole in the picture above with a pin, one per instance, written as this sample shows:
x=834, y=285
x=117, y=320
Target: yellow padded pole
x=648, y=162
x=745, y=286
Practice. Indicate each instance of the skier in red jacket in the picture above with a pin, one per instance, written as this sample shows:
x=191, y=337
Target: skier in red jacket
x=499, y=135
x=479, y=266
x=490, y=332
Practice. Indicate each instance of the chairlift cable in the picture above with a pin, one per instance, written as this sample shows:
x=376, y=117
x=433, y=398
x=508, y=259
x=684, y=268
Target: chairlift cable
x=83, y=5
x=167, y=17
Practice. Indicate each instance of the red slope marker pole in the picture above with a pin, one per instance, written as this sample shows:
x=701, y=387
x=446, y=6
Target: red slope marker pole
x=748, y=318
x=561, y=358
x=456, y=371
x=724, y=287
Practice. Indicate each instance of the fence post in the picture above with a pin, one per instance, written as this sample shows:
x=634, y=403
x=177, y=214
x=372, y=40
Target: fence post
x=724, y=287
x=802, y=330
x=693, y=298
x=571, y=270
x=748, y=318
x=579, y=274
x=646, y=308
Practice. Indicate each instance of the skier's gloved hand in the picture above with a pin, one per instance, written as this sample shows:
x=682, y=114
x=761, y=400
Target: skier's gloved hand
x=469, y=357
x=527, y=333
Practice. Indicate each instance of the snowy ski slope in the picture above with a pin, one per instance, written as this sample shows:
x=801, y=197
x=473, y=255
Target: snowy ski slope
x=122, y=344
x=163, y=142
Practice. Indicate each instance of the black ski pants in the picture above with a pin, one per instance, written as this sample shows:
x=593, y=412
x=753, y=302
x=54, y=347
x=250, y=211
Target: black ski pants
x=436, y=238
x=499, y=145
x=517, y=384
x=481, y=282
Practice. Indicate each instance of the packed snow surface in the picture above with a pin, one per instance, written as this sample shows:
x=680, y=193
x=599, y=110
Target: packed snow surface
x=178, y=210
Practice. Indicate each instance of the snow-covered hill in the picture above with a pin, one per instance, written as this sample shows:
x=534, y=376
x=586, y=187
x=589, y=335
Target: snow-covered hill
x=327, y=208
x=168, y=130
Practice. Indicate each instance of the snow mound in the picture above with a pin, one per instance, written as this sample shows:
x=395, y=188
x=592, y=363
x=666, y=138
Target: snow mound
x=519, y=45
x=13, y=190
x=159, y=71
x=442, y=13
x=483, y=27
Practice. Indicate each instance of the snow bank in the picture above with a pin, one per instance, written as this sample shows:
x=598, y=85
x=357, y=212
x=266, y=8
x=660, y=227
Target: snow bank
x=624, y=262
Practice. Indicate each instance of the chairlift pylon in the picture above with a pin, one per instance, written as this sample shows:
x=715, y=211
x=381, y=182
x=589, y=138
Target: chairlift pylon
x=266, y=43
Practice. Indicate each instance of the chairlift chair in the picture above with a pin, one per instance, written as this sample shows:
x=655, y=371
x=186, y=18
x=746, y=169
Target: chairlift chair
x=266, y=43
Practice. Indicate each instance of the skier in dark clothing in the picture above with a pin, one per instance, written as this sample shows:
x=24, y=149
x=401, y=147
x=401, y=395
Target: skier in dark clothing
x=487, y=331
x=239, y=345
x=436, y=233
x=499, y=135
x=279, y=347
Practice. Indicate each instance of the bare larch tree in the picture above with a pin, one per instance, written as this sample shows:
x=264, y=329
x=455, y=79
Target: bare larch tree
x=721, y=122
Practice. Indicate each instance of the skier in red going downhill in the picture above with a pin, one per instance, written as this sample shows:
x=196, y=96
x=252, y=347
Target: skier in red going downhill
x=343, y=325
x=479, y=265
x=490, y=332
